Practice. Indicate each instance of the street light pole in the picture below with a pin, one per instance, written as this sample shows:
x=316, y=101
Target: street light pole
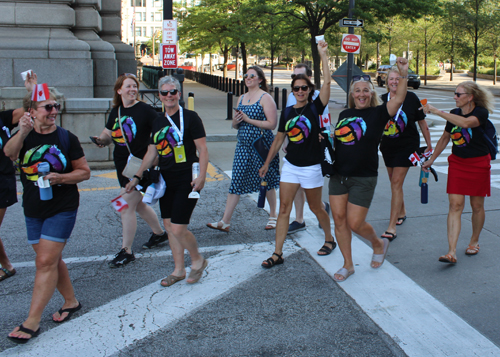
x=350, y=56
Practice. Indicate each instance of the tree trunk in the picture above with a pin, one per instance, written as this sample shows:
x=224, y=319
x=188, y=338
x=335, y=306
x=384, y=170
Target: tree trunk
x=316, y=62
x=494, y=69
x=272, y=64
x=451, y=69
x=425, y=56
x=224, y=65
x=244, y=56
x=378, y=55
x=210, y=62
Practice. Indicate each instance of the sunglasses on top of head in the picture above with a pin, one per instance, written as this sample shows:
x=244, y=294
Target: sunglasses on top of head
x=297, y=88
x=165, y=92
x=128, y=74
x=48, y=107
x=251, y=76
x=363, y=77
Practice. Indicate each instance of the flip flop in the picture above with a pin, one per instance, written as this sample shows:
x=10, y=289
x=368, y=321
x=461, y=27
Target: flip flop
x=32, y=333
x=344, y=273
x=195, y=274
x=379, y=258
x=400, y=221
x=389, y=235
x=70, y=312
x=448, y=258
x=171, y=280
x=8, y=273
x=472, y=250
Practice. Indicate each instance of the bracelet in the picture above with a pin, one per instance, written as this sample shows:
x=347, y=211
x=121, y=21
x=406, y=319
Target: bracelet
x=405, y=77
x=137, y=177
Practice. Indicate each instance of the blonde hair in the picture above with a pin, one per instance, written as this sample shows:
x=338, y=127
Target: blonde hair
x=392, y=70
x=482, y=97
x=375, y=101
x=27, y=103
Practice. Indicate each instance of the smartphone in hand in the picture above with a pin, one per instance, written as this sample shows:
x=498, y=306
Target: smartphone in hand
x=93, y=139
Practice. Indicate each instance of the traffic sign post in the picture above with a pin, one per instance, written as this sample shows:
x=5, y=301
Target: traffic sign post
x=351, y=23
x=351, y=43
x=169, y=31
x=168, y=55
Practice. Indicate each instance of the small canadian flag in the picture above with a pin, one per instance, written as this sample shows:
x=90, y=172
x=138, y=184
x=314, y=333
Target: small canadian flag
x=119, y=203
x=40, y=92
x=415, y=159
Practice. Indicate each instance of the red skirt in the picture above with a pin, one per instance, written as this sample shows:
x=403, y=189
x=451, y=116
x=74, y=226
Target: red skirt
x=469, y=177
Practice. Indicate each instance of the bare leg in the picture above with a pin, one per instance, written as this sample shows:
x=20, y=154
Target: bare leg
x=148, y=214
x=4, y=260
x=129, y=219
x=457, y=203
x=271, y=199
x=318, y=208
x=65, y=288
x=478, y=216
x=48, y=255
x=287, y=193
x=356, y=219
x=232, y=201
x=338, y=205
x=299, y=201
x=397, y=176
x=182, y=239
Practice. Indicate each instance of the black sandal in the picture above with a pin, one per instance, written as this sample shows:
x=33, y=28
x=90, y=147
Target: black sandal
x=326, y=249
x=271, y=262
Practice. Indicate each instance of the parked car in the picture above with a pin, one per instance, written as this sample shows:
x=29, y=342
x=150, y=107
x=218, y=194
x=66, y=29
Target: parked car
x=413, y=78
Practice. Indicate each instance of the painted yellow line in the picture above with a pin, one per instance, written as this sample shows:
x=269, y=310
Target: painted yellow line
x=110, y=175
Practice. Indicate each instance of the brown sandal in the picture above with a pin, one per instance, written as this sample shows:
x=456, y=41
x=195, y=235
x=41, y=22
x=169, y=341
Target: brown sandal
x=195, y=274
x=472, y=249
x=171, y=280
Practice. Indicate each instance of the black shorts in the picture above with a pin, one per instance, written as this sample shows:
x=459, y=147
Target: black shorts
x=175, y=203
x=8, y=190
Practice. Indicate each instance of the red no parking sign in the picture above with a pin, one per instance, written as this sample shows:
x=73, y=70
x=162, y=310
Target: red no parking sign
x=351, y=43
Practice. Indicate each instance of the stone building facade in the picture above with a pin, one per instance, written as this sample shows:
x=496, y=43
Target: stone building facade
x=73, y=45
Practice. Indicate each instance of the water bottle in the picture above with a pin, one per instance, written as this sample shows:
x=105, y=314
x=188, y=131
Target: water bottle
x=424, y=191
x=149, y=194
x=196, y=170
x=43, y=184
x=423, y=175
x=262, y=194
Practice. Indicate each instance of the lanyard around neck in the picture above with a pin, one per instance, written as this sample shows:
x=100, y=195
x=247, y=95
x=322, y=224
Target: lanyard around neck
x=399, y=110
x=181, y=122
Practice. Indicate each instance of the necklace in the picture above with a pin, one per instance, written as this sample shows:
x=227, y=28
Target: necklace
x=302, y=111
x=250, y=97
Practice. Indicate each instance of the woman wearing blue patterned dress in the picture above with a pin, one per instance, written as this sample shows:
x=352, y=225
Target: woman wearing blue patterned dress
x=256, y=115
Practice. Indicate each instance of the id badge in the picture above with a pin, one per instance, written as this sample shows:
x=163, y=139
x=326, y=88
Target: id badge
x=180, y=154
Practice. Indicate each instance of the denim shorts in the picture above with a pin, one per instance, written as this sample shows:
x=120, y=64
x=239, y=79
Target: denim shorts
x=57, y=228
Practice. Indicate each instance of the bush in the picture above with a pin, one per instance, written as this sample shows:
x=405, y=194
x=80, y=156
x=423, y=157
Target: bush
x=373, y=66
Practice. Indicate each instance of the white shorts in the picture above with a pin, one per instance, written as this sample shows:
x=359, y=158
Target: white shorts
x=306, y=176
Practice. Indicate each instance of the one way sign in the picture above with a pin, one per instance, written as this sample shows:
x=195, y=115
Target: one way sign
x=351, y=23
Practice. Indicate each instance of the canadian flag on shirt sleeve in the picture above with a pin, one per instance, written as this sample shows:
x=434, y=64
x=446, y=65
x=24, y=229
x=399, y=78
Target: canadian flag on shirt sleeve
x=40, y=92
x=119, y=203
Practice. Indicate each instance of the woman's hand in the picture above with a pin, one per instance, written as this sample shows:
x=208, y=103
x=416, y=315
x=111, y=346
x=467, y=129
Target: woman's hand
x=402, y=65
x=242, y=117
x=198, y=184
x=98, y=142
x=129, y=187
x=25, y=124
x=322, y=47
x=427, y=165
x=430, y=109
x=263, y=171
x=30, y=81
x=54, y=178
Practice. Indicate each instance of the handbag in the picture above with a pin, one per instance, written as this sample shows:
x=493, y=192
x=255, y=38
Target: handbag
x=133, y=163
x=261, y=147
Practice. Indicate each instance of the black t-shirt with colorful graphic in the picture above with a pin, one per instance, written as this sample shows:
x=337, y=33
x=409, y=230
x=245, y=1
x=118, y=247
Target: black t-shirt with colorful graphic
x=401, y=133
x=47, y=148
x=356, y=139
x=165, y=138
x=302, y=128
x=6, y=166
x=469, y=142
x=137, y=122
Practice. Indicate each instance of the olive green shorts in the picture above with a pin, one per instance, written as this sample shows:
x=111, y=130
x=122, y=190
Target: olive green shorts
x=360, y=190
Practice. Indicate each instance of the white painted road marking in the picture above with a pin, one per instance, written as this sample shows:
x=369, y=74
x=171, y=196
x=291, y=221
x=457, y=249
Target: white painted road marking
x=112, y=327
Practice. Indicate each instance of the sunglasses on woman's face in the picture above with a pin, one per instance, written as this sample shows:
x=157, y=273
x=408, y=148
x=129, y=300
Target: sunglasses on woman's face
x=48, y=107
x=459, y=94
x=165, y=92
x=251, y=76
x=297, y=88
x=363, y=77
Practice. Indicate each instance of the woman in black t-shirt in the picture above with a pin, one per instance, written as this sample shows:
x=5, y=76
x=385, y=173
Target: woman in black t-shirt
x=302, y=163
x=400, y=140
x=177, y=136
x=469, y=167
x=136, y=122
x=356, y=137
x=49, y=223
